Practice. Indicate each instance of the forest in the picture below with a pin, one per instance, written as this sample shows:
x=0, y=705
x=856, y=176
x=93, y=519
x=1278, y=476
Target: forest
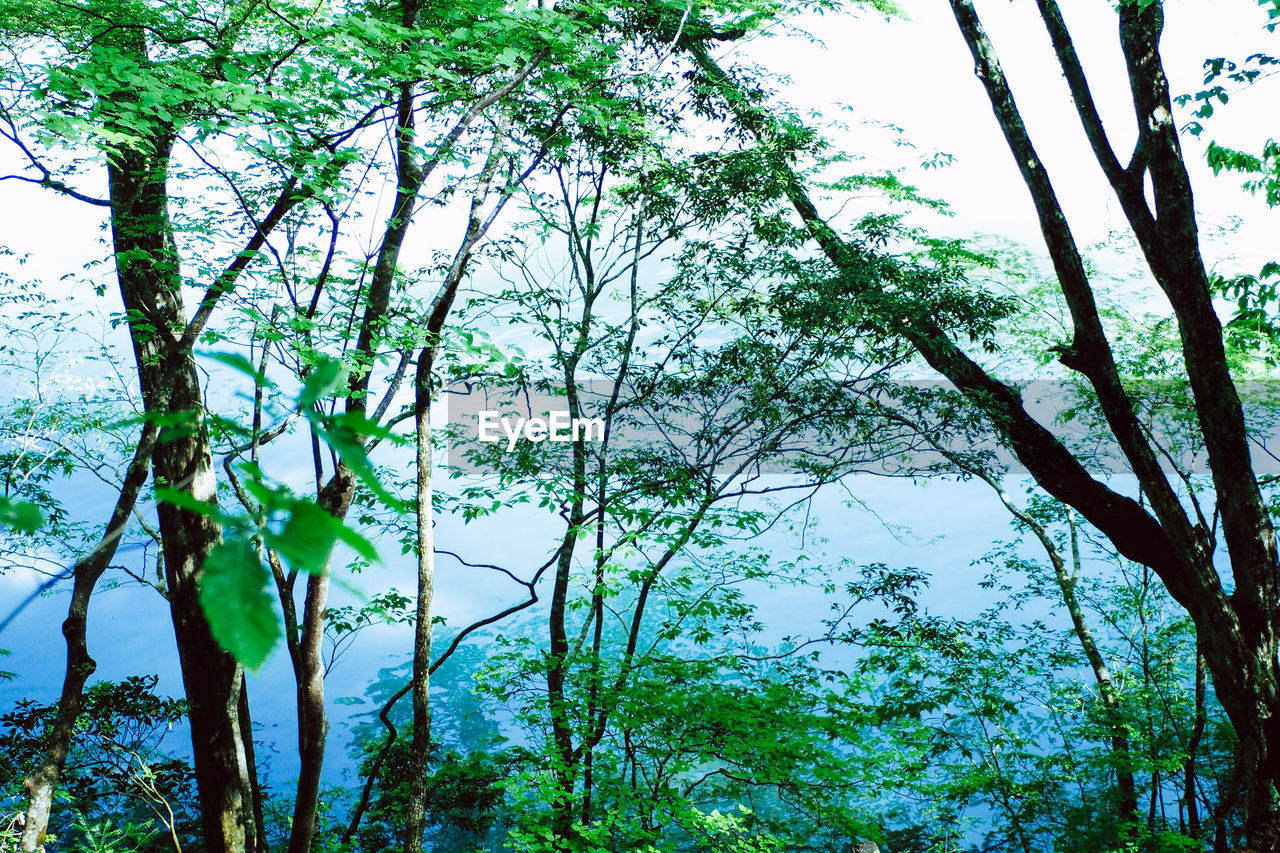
x=579, y=426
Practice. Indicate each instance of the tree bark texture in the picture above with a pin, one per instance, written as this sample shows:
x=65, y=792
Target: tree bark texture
x=149, y=278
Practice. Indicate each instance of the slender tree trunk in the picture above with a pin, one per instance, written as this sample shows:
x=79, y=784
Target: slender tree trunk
x=558, y=660
x=433, y=330
x=251, y=759
x=1189, y=794
x=43, y=780
x=339, y=491
x=1121, y=754
x=596, y=712
x=420, y=748
x=313, y=722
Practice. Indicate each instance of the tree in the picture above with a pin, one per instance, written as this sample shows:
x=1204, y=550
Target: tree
x=128, y=81
x=701, y=394
x=135, y=82
x=1237, y=625
x=676, y=280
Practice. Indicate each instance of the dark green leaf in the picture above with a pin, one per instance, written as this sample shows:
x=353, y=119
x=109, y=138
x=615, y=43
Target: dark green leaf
x=323, y=379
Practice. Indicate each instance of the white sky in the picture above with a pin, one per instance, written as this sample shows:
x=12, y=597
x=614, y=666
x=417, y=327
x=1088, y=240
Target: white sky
x=918, y=75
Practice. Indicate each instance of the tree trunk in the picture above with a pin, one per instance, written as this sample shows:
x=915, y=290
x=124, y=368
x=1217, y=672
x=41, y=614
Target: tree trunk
x=1122, y=759
x=43, y=780
x=1120, y=751
x=337, y=494
x=1189, y=794
x=558, y=660
x=1121, y=754
x=435, y=320
x=150, y=288
x=251, y=759
x=420, y=748
x=313, y=721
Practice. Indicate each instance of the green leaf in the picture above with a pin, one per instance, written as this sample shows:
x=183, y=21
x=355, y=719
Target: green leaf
x=337, y=433
x=307, y=538
x=323, y=379
x=22, y=516
x=234, y=597
x=358, y=543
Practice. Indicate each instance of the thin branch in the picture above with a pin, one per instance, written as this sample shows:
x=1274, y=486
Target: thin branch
x=288, y=198
x=46, y=178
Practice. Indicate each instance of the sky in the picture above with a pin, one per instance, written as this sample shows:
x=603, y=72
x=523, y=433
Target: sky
x=914, y=74
x=918, y=75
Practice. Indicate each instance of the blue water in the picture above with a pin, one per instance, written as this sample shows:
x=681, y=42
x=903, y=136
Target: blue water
x=130, y=632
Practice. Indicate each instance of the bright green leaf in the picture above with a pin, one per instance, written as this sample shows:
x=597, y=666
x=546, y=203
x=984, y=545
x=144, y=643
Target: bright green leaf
x=22, y=516
x=234, y=597
x=307, y=538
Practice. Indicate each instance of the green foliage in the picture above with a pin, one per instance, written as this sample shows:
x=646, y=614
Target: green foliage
x=1254, y=328
x=47, y=431
x=1263, y=169
x=21, y=516
x=233, y=593
x=104, y=836
x=717, y=346
x=117, y=765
